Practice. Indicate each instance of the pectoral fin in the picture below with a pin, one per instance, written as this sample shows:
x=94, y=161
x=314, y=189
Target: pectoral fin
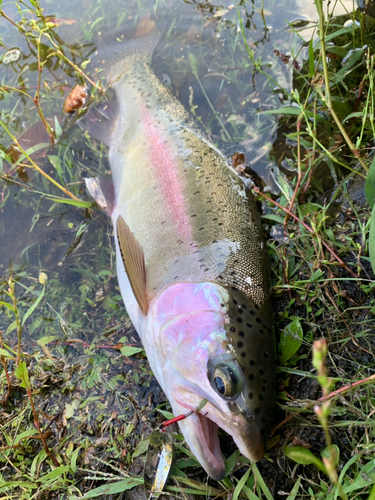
x=134, y=262
x=101, y=189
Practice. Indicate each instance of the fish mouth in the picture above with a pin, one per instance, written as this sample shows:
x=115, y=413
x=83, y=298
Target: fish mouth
x=201, y=432
x=202, y=435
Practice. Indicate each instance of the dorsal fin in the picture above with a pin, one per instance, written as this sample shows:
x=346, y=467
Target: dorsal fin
x=134, y=262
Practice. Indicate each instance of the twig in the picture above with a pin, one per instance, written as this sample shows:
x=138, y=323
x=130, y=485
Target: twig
x=14, y=24
x=331, y=395
x=36, y=423
x=299, y=178
x=61, y=54
x=311, y=231
x=347, y=388
x=35, y=166
x=37, y=97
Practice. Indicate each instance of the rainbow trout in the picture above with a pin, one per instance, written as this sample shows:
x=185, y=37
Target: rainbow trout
x=191, y=263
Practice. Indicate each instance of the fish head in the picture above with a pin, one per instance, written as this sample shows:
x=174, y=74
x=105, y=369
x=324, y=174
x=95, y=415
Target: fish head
x=215, y=344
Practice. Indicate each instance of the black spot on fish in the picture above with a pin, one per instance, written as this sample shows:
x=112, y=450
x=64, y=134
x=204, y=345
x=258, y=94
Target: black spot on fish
x=239, y=320
x=265, y=354
x=252, y=362
x=257, y=411
x=261, y=397
x=258, y=320
x=256, y=306
x=261, y=331
x=243, y=354
x=261, y=371
x=240, y=344
x=235, y=302
x=251, y=395
x=263, y=388
x=249, y=325
x=252, y=313
x=240, y=310
x=251, y=376
x=241, y=334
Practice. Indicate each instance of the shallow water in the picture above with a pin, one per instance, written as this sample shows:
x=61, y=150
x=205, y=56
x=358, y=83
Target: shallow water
x=35, y=232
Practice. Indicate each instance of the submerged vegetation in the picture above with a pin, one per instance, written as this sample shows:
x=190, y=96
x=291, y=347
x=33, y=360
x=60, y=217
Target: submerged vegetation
x=297, y=99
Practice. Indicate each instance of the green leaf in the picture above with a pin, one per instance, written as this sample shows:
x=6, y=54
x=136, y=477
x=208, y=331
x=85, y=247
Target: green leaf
x=129, y=351
x=311, y=58
x=46, y=340
x=73, y=460
x=274, y=218
x=261, y=482
x=32, y=432
x=370, y=184
x=167, y=414
x=303, y=456
x=333, y=451
x=230, y=462
x=290, y=339
x=9, y=306
x=316, y=275
x=56, y=163
x=371, y=239
x=33, y=307
x=23, y=375
x=59, y=471
x=58, y=129
x=70, y=201
x=241, y=484
x=111, y=488
x=11, y=327
x=6, y=354
x=293, y=493
x=193, y=64
x=141, y=448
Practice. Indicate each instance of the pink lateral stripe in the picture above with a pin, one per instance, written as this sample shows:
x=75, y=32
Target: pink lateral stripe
x=163, y=162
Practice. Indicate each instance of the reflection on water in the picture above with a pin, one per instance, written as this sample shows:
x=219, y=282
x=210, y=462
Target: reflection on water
x=201, y=54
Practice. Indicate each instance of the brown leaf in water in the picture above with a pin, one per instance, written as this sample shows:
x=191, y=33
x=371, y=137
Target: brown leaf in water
x=145, y=25
x=238, y=162
x=76, y=99
x=57, y=21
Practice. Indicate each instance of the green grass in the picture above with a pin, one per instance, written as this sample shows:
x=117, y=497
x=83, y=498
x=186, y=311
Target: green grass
x=63, y=325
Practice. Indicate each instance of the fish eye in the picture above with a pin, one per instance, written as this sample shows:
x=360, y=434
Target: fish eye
x=227, y=379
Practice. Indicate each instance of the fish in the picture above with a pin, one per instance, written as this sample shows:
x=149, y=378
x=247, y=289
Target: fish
x=192, y=262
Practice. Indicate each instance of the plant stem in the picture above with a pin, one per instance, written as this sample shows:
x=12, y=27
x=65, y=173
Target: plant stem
x=35, y=166
x=328, y=99
x=19, y=326
x=311, y=231
x=3, y=360
x=14, y=24
x=42, y=436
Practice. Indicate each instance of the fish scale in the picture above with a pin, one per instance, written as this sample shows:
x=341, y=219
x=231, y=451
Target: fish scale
x=191, y=262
